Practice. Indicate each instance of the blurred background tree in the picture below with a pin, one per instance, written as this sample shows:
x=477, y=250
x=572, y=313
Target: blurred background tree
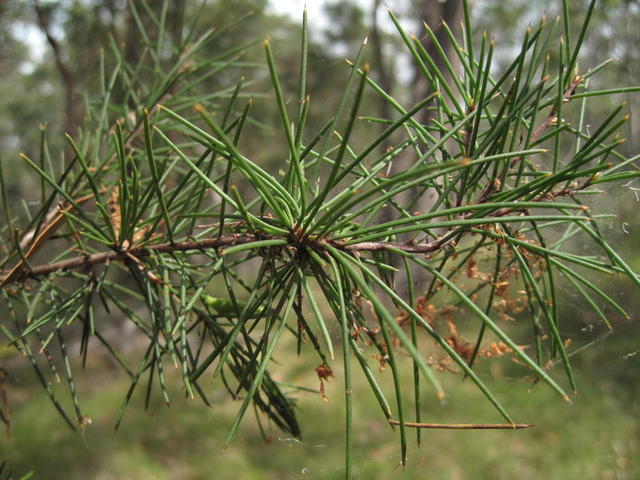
x=50, y=56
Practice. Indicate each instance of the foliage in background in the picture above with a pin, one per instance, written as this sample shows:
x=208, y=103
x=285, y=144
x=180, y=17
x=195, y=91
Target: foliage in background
x=161, y=206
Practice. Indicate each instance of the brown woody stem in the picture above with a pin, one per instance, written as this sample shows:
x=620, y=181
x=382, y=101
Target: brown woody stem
x=195, y=245
x=465, y=426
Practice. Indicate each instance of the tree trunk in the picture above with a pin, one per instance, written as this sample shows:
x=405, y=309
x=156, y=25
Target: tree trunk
x=73, y=107
x=385, y=75
x=434, y=13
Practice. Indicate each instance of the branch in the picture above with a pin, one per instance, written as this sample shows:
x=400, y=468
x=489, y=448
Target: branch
x=465, y=426
x=30, y=245
x=21, y=271
x=405, y=247
x=83, y=261
x=138, y=252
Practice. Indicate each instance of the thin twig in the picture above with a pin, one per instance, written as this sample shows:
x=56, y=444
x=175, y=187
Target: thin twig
x=203, y=244
x=52, y=222
x=465, y=426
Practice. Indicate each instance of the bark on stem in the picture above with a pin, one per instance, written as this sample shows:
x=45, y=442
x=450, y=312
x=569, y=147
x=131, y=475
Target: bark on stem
x=195, y=245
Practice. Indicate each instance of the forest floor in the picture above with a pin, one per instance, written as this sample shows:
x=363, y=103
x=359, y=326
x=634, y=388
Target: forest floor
x=595, y=437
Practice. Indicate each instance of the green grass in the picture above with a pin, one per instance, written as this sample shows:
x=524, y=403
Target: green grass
x=595, y=438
